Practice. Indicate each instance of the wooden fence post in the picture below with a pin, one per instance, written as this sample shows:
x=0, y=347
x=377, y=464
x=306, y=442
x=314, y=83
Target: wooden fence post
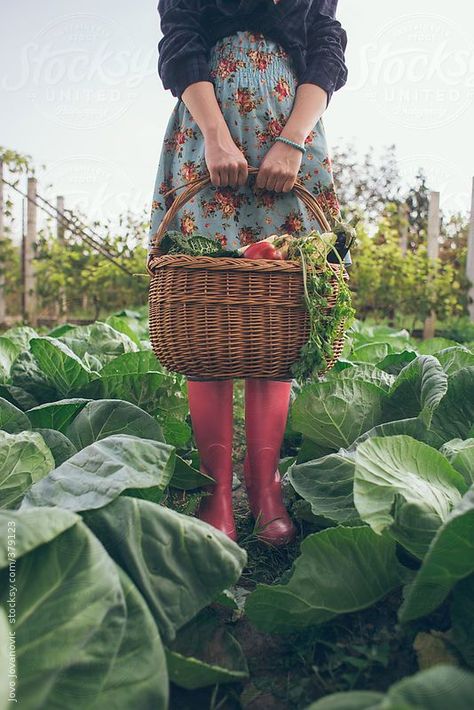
x=403, y=216
x=433, y=252
x=3, y=305
x=29, y=242
x=470, y=258
x=60, y=231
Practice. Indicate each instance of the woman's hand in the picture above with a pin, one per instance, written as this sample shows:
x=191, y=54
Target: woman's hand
x=279, y=168
x=226, y=163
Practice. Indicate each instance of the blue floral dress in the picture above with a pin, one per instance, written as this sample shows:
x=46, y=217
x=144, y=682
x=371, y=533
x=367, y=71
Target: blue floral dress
x=255, y=86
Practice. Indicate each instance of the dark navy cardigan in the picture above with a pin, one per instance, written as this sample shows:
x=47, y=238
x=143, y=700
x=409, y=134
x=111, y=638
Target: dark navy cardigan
x=307, y=29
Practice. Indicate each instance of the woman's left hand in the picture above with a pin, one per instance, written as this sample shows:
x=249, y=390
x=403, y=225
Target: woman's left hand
x=279, y=168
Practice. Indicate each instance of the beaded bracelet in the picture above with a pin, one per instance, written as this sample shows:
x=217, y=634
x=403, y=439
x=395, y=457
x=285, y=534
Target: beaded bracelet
x=290, y=142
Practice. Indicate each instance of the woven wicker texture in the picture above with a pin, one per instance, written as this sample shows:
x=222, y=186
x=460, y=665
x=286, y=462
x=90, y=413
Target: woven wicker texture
x=226, y=317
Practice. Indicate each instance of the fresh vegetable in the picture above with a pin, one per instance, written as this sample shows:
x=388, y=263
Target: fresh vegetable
x=382, y=484
x=195, y=245
x=262, y=250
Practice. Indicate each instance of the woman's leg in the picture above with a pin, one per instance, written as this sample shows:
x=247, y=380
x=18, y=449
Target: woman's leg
x=266, y=411
x=210, y=406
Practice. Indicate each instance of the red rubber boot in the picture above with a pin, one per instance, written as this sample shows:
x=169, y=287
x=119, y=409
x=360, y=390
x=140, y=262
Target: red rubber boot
x=266, y=411
x=210, y=405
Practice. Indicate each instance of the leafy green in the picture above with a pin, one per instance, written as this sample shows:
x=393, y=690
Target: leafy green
x=63, y=369
x=56, y=415
x=98, y=339
x=102, y=418
x=334, y=413
x=327, y=484
x=406, y=486
x=204, y=653
x=449, y=558
x=12, y=419
x=59, y=445
x=72, y=592
x=178, y=563
x=454, y=416
x=340, y=569
x=461, y=456
x=24, y=459
x=417, y=391
x=100, y=472
x=437, y=688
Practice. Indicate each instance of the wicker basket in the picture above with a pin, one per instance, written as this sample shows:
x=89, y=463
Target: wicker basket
x=226, y=317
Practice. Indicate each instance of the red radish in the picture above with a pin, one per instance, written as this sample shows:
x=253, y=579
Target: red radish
x=262, y=250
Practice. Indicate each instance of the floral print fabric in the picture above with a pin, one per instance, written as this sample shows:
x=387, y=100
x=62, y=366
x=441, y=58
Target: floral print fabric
x=255, y=85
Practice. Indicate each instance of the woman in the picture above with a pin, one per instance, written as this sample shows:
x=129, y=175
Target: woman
x=252, y=78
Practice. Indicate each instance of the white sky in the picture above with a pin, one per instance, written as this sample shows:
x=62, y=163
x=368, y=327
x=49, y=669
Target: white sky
x=79, y=91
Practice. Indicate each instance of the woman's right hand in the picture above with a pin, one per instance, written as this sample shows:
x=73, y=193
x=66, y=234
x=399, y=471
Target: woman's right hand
x=227, y=164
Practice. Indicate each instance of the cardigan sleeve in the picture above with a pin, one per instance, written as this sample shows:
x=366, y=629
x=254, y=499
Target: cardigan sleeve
x=325, y=48
x=183, y=53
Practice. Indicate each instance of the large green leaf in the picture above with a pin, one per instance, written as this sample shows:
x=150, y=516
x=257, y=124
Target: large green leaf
x=395, y=362
x=434, y=345
x=133, y=364
x=449, y=558
x=59, y=445
x=27, y=375
x=98, y=339
x=417, y=391
x=334, y=413
x=350, y=700
x=8, y=352
x=56, y=415
x=437, y=688
x=186, y=476
x=414, y=427
x=461, y=456
x=64, y=370
x=27, y=530
x=406, y=486
x=462, y=618
x=365, y=373
x=107, y=650
x=12, y=419
x=454, y=359
x=70, y=592
x=371, y=352
x=327, y=484
x=138, y=677
x=21, y=335
x=122, y=326
x=24, y=459
x=102, y=418
x=179, y=564
x=152, y=391
x=99, y=473
x=454, y=417
x=205, y=653
x=18, y=396
x=341, y=569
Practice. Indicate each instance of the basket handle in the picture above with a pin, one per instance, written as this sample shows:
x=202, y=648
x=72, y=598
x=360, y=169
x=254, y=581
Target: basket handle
x=194, y=186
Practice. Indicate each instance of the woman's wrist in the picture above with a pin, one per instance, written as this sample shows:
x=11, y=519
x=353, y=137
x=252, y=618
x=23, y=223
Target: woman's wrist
x=295, y=134
x=216, y=130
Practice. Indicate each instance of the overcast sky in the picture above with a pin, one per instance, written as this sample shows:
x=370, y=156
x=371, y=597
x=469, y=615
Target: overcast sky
x=79, y=91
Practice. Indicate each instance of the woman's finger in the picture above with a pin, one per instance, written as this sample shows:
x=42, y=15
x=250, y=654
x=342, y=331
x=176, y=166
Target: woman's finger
x=271, y=181
x=288, y=184
x=224, y=173
x=243, y=174
x=261, y=180
x=233, y=174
